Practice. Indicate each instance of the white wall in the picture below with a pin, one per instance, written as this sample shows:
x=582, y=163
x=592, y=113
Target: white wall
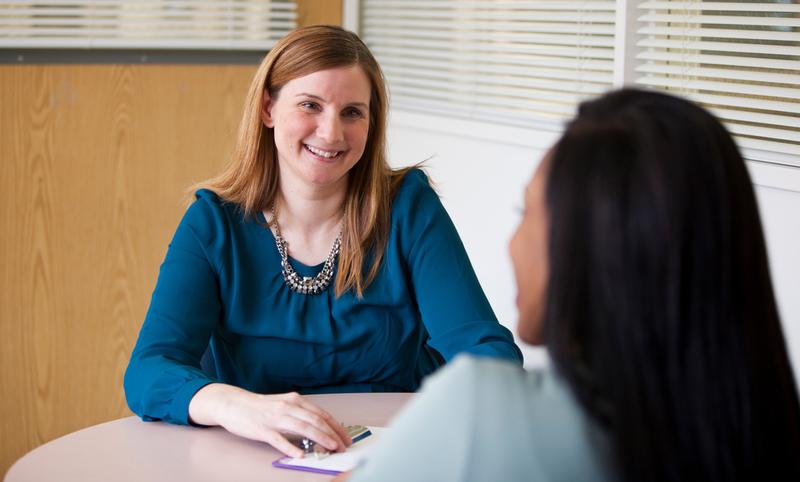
x=480, y=172
x=780, y=215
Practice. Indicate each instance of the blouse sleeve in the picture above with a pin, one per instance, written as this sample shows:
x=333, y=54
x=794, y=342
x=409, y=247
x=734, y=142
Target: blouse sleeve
x=164, y=370
x=452, y=304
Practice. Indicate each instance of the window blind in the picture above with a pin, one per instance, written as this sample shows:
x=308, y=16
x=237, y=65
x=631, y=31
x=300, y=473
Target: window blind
x=513, y=62
x=739, y=59
x=151, y=24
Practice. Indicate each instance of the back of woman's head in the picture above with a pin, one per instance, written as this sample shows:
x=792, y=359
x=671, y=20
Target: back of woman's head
x=660, y=310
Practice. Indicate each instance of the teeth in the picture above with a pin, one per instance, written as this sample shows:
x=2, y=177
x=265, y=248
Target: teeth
x=321, y=153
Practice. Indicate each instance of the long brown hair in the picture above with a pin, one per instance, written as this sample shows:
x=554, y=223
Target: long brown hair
x=251, y=179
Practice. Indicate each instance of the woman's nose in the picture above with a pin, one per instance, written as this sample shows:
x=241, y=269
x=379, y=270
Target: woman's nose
x=330, y=129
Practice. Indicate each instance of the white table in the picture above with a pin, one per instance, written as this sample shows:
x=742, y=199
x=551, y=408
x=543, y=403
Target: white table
x=131, y=450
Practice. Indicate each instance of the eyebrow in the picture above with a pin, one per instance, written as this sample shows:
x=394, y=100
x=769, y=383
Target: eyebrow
x=354, y=104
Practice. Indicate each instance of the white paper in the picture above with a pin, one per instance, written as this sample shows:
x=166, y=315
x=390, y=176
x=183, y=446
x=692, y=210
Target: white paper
x=339, y=461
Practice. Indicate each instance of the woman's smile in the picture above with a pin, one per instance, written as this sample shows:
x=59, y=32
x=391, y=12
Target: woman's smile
x=322, y=154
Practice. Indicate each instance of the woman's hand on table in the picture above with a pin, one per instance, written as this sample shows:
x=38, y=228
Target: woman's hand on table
x=267, y=418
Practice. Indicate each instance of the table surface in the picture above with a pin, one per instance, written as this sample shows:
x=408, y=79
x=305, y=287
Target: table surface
x=129, y=449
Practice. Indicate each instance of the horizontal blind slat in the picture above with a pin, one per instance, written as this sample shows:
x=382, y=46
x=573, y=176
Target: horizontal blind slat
x=769, y=147
x=576, y=83
x=742, y=102
x=722, y=6
x=425, y=5
x=750, y=116
x=586, y=52
x=723, y=87
x=490, y=27
x=722, y=20
x=412, y=94
x=462, y=69
x=739, y=74
x=153, y=23
x=133, y=32
x=689, y=45
x=693, y=32
x=480, y=37
x=46, y=4
x=521, y=15
x=694, y=58
x=61, y=43
x=388, y=54
x=173, y=24
x=552, y=92
x=763, y=132
x=41, y=14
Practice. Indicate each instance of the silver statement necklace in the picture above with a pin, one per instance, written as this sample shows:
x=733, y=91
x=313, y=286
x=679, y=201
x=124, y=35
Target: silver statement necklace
x=306, y=285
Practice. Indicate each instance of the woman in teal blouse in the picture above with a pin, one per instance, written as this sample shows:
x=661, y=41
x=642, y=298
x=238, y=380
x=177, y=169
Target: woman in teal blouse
x=308, y=266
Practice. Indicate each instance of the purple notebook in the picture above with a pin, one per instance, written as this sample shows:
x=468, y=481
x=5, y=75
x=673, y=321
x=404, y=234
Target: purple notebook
x=335, y=463
x=280, y=463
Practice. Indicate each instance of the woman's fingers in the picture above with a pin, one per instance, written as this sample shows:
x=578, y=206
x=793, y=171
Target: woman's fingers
x=311, y=431
x=266, y=417
x=316, y=424
x=330, y=421
x=320, y=418
x=278, y=441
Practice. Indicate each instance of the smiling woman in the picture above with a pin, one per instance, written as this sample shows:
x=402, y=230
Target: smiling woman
x=243, y=319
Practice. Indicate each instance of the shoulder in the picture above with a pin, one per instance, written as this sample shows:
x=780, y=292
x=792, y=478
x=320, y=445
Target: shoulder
x=469, y=385
x=414, y=188
x=207, y=203
x=475, y=414
x=209, y=216
x=478, y=370
x=540, y=393
x=416, y=206
x=535, y=415
x=490, y=380
x=207, y=199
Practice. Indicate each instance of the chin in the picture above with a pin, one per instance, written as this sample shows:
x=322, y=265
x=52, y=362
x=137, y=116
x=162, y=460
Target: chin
x=534, y=339
x=324, y=176
x=529, y=329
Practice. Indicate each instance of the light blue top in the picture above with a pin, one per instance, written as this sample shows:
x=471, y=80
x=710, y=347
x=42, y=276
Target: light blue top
x=220, y=288
x=488, y=420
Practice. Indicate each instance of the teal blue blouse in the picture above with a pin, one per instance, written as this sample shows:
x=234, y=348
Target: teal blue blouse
x=221, y=312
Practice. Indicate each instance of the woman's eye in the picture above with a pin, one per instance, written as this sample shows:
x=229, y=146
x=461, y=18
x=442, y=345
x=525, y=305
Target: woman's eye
x=309, y=105
x=353, y=113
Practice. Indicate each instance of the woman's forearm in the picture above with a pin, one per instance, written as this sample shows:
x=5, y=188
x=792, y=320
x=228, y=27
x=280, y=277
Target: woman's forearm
x=211, y=401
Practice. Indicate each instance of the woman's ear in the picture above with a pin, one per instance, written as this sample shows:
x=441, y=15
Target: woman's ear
x=266, y=109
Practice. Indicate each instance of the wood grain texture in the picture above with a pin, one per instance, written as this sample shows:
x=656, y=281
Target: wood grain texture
x=313, y=12
x=94, y=161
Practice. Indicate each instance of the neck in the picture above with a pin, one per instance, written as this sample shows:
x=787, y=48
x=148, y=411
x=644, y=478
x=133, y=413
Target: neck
x=310, y=210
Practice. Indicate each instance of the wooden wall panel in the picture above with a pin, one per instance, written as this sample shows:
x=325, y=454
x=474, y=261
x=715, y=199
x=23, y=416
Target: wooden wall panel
x=93, y=163
x=312, y=12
